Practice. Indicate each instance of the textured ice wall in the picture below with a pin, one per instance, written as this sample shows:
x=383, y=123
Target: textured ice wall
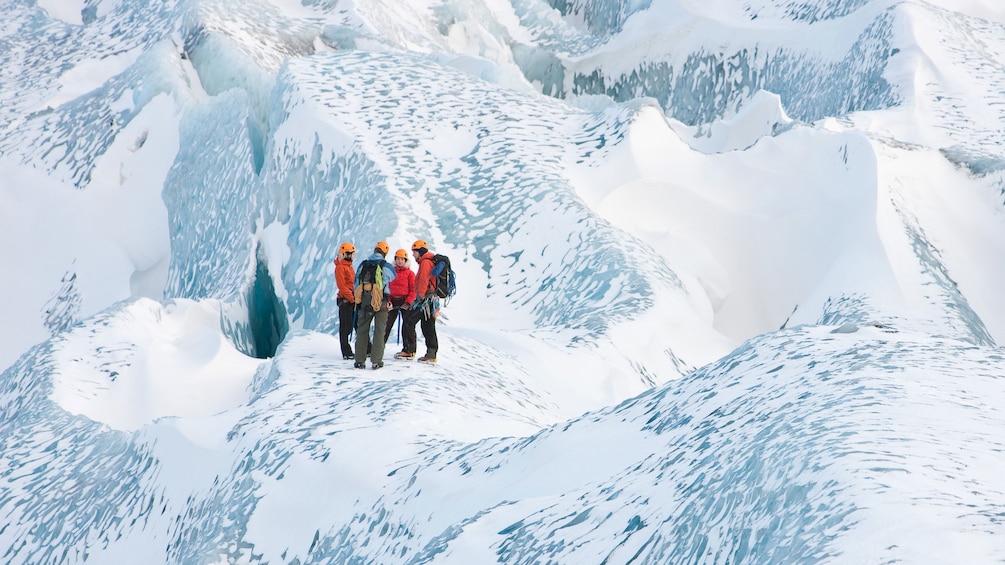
x=808, y=11
x=447, y=153
x=38, y=51
x=67, y=139
x=702, y=85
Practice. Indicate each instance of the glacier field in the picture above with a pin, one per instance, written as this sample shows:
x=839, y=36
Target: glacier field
x=730, y=281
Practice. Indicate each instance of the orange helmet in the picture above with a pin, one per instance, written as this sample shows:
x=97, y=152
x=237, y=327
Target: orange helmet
x=382, y=247
x=401, y=253
x=419, y=244
x=347, y=248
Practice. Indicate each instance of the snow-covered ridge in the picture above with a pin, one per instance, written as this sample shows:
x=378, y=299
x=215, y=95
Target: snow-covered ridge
x=762, y=456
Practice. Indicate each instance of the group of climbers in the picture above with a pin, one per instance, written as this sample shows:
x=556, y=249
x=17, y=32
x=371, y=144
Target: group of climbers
x=375, y=292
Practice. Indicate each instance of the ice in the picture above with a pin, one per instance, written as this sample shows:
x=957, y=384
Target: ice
x=729, y=281
x=163, y=361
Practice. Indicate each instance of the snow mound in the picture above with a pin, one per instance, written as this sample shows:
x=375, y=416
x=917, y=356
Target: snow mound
x=155, y=361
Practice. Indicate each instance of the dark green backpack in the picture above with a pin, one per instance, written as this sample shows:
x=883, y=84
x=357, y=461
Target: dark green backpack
x=370, y=289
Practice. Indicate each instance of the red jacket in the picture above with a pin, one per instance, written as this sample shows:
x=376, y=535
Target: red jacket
x=344, y=276
x=403, y=284
x=422, y=282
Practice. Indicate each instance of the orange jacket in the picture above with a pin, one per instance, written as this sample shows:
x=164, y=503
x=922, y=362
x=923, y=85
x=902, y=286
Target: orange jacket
x=422, y=282
x=344, y=275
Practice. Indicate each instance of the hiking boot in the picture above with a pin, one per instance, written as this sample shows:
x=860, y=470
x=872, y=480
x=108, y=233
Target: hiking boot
x=425, y=359
x=359, y=365
x=349, y=357
x=378, y=365
x=404, y=355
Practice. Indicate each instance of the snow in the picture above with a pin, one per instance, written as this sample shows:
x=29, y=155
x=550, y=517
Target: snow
x=89, y=75
x=112, y=237
x=179, y=365
x=729, y=281
x=68, y=11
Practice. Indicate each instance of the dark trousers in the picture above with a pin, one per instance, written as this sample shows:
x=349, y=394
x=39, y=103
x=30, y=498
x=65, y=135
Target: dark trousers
x=398, y=315
x=345, y=310
x=408, y=336
x=363, y=319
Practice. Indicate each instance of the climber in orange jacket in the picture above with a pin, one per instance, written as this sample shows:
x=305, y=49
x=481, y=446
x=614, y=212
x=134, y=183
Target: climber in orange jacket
x=424, y=316
x=344, y=277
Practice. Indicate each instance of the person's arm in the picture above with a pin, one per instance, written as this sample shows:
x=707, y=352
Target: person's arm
x=388, y=277
x=422, y=279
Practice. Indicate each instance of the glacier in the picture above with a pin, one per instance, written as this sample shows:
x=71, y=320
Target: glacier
x=729, y=279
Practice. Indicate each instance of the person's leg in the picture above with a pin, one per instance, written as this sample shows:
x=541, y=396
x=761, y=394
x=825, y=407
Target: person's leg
x=345, y=310
x=363, y=319
x=408, y=337
x=379, y=323
x=429, y=335
x=392, y=317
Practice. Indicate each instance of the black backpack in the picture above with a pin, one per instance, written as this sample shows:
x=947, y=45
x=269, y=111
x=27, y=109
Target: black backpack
x=443, y=275
x=370, y=280
x=368, y=271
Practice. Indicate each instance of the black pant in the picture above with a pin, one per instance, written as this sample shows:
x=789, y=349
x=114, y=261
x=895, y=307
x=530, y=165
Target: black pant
x=428, y=326
x=345, y=311
x=392, y=317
